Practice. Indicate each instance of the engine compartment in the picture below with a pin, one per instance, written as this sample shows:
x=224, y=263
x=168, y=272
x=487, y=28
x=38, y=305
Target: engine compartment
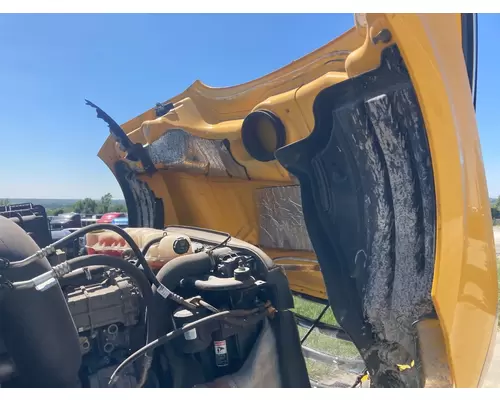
x=217, y=313
x=106, y=307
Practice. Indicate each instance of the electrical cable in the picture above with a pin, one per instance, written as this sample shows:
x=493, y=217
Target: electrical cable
x=208, y=306
x=165, y=293
x=118, y=263
x=359, y=379
x=142, y=284
x=87, y=229
x=221, y=244
x=148, y=245
x=229, y=316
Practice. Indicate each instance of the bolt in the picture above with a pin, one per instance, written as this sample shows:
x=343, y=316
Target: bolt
x=113, y=329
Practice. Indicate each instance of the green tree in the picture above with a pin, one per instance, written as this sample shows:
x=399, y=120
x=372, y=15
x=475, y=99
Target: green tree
x=105, y=203
x=55, y=211
x=85, y=206
x=495, y=209
x=120, y=208
x=496, y=205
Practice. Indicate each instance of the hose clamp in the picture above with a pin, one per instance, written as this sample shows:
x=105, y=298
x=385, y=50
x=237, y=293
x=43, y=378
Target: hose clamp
x=5, y=283
x=46, y=251
x=4, y=263
x=61, y=269
x=163, y=291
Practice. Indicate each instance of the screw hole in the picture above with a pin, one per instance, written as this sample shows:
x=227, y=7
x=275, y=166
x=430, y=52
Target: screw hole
x=113, y=329
x=109, y=347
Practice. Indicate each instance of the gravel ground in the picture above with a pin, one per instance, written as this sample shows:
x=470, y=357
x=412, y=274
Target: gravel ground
x=492, y=379
x=496, y=232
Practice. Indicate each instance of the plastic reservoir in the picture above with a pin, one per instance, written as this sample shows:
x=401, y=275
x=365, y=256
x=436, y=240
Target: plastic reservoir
x=111, y=243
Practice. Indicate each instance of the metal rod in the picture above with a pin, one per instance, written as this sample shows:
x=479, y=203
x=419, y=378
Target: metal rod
x=325, y=329
x=315, y=323
x=354, y=366
x=290, y=258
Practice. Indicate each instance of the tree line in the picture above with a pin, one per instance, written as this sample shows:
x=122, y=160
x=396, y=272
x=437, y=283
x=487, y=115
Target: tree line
x=84, y=206
x=495, y=209
x=91, y=206
x=105, y=204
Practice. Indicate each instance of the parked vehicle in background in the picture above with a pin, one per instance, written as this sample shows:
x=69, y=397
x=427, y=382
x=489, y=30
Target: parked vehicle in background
x=64, y=221
x=109, y=217
x=122, y=222
x=351, y=177
x=89, y=220
x=72, y=248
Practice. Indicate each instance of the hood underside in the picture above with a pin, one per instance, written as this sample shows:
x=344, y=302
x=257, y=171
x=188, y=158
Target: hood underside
x=337, y=163
x=369, y=205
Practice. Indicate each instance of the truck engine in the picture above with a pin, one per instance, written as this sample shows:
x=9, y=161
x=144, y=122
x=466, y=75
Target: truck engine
x=180, y=307
x=106, y=307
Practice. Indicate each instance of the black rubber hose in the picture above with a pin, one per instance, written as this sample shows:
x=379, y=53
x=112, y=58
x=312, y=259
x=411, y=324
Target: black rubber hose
x=196, y=264
x=74, y=278
x=145, y=288
x=171, y=274
x=229, y=316
x=150, y=243
x=130, y=270
x=97, y=227
x=119, y=263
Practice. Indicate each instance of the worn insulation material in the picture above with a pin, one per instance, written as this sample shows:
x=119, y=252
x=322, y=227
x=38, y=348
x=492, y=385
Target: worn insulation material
x=380, y=224
x=368, y=197
x=406, y=270
x=424, y=180
x=281, y=219
x=384, y=130
x=178, y=150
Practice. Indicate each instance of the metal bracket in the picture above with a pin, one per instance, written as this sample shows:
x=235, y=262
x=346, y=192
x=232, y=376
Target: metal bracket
x=4, y=263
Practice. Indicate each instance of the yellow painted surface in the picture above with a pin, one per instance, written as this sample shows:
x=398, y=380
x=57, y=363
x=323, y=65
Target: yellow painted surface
x=465, y=279
x=465, y=287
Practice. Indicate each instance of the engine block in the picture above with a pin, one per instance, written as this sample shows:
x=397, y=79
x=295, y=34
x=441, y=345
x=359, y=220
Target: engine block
x=115, y=300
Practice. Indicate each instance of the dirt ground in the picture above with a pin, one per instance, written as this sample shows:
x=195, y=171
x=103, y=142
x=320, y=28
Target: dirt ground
x=492, y=379
x=496, y=232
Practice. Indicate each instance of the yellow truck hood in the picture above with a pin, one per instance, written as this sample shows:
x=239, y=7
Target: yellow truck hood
x=362, y=155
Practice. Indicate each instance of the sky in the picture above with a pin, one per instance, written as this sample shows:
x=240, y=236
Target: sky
x=127, y=63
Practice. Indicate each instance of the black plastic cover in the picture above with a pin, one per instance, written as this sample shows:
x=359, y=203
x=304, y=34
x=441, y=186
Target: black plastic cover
x=36, y=327
x=368, y=200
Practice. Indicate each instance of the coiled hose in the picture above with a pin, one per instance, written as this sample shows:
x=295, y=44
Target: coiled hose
x=140, y=257
x=145, y=289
